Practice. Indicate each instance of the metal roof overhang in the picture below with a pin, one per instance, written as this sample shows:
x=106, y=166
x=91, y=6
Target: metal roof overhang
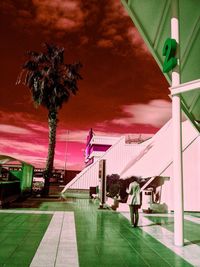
x=4, y=159
x=152, y=19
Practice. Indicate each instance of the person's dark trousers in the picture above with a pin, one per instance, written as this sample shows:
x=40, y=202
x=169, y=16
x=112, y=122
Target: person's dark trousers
x=134, y=214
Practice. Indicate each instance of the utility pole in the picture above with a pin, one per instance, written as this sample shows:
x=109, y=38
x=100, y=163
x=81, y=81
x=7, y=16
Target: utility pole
x=66, y=147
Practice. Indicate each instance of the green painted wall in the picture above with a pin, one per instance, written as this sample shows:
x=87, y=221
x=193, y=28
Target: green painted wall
x=25, y=176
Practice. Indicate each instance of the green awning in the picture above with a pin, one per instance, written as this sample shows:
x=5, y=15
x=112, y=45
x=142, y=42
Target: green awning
x=24, y=176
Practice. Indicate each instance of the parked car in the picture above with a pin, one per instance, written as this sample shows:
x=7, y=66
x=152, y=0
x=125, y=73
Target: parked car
x=38, y=185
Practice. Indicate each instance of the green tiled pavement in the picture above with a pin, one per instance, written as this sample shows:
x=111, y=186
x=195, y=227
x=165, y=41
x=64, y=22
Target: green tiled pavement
x=104, y=238
x=20, y=236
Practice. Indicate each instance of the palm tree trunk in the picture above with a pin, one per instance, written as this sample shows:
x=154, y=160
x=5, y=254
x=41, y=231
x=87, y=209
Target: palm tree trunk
x=52, y=119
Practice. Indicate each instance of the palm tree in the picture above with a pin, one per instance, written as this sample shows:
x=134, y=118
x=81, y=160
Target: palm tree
x=51, y=83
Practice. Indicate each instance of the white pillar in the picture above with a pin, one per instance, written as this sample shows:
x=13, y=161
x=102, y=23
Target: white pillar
x=177, y=140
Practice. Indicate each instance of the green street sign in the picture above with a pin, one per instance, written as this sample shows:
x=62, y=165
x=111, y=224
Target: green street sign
x=169, y=51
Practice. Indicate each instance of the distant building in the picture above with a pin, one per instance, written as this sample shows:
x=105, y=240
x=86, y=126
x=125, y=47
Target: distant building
x=115, y=150
x=96, y=146
x=58, y=175
x=149, y=159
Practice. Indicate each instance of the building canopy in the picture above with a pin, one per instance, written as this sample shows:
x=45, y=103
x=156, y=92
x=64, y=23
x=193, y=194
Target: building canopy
x=153, y=21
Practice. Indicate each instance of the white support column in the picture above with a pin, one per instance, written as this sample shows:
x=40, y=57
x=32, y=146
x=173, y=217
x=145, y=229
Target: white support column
x=177, y=140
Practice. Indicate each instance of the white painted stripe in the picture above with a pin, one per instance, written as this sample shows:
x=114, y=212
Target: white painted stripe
x=47, y=250
x=192, y=219
x=58, y=247
x=28, y=211
x=190, y=252
x=158, y=215
x=170, y=215
x=67, y=248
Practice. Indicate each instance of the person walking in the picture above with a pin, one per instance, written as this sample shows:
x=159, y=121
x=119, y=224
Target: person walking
x=134, y=201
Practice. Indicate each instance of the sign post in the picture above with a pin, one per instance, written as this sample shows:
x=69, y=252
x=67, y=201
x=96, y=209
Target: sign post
x=177, y=138
x=102, y=183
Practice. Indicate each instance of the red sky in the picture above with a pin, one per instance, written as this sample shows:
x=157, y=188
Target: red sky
x=123, y=91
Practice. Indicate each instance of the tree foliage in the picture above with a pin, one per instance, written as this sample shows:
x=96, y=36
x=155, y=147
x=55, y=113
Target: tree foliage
x=50, y=80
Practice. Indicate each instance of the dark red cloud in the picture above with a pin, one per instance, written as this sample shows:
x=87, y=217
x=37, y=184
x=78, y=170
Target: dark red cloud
x=118, y=72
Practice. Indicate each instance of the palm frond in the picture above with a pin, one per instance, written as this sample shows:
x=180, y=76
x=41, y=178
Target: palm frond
x=50, y=80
